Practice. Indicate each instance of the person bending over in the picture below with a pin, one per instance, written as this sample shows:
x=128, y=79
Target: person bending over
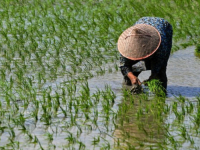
x=145, y=46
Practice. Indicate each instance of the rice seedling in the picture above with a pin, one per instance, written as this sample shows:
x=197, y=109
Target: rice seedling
x=49, y=51
x=197, y=50
x=155, y=86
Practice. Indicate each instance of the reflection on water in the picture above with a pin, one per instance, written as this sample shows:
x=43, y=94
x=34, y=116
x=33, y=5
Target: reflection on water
x=137, y=130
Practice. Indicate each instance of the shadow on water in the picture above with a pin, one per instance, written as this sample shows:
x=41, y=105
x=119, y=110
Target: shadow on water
x=183, y=73
x=183, y=90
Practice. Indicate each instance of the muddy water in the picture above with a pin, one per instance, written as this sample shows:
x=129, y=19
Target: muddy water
x=183, y=79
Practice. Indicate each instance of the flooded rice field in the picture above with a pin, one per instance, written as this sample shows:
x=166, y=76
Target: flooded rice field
x=183, y=75
x=183, y=81
x=101, y=114
x=61, y=87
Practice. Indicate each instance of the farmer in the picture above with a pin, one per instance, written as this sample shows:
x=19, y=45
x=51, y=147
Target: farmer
x=145, y=46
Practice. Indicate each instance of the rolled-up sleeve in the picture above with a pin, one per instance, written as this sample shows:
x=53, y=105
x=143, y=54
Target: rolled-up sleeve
x=126, y=65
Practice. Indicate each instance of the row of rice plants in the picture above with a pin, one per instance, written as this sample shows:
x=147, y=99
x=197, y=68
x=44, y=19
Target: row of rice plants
x=49, y=49
x=155, y=122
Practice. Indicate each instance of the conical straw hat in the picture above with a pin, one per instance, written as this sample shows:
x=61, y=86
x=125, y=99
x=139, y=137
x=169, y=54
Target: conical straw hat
x=139, y=41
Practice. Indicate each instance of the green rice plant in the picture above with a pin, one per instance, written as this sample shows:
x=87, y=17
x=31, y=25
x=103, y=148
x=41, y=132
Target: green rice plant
x=196, y=118
x=95, y=119
x=81, y=145
x=47, y=114
x=30, y=137
x=183, y=132
x=13, y=144
x=11, y=132
x=143, y=96
x=95, y=140
x=36, y=140
x=190, y=108
x=180, y=117
x=96, y=97
x=197, y=50
x=156, y=87
x=191, y=140
x=181, y=99
x=175, y=106
x=41, y=40
x=71, y=139
x=49, y=137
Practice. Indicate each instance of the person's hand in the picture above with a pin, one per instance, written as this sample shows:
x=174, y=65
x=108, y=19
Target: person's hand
x=136, y=89
x=134, y=79
x=145, y=82
x=136, y=84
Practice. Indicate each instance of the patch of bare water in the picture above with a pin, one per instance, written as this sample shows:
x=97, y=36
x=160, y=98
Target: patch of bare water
x=184, y=73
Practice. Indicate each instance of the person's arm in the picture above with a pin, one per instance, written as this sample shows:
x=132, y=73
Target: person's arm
x=126, y=69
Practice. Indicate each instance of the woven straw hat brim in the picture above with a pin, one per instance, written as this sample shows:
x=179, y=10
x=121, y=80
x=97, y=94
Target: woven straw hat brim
x=139, y=42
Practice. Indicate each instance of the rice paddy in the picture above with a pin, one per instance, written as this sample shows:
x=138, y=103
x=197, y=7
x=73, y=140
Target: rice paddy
x=52, y=50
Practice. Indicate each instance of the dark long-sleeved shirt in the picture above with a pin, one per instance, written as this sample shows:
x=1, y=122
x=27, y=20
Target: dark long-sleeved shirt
x=160, y=58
